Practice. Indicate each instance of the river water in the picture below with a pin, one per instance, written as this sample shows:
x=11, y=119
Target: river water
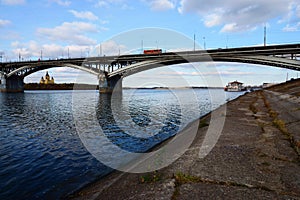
x=42, y=155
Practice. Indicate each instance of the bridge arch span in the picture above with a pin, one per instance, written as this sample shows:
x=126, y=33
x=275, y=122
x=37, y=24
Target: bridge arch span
x=114, y=68
x=255, y=59
x=144, y=66
x=263, y=60
x=32, y=69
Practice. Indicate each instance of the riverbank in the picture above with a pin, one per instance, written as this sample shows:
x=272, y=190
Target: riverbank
x=80, y=86
x=256, y=157
x=62, y=86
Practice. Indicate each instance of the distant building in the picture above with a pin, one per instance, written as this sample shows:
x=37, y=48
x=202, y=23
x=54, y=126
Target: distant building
x=47, y=79
x=234, y=86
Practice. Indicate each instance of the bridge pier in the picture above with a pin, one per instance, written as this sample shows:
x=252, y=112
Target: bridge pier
x=12, y=84
x=110, y=85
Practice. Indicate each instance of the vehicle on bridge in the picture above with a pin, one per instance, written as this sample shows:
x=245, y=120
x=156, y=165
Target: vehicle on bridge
x=153, y=51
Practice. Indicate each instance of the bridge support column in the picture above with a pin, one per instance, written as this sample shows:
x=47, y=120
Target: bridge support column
x=110, y=85
x=11, y=84
x=2, y=82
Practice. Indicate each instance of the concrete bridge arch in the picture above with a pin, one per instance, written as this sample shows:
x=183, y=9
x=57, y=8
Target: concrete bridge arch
x=14, y=80
x=256, y=60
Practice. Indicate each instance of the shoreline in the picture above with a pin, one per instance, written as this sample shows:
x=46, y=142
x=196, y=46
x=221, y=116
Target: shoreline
x=111, y=175
x=242, y=159
x=80, y=86
x=63, y=86
x=202, y=123
x=114, y=172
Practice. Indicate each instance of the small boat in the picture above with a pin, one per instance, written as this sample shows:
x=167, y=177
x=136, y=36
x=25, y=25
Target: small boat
x=234, y=86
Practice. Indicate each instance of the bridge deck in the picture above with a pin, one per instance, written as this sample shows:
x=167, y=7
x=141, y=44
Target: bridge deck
x=109, y=64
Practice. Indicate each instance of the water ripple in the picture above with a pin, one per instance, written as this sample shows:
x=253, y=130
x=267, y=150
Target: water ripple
x=41, y=155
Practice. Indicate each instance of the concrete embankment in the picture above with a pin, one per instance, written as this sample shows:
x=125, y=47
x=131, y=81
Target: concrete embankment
x=256, y=157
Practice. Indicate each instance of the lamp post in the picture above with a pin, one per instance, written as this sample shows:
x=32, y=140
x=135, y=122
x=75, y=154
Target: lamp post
x=1, y=55
x=226, y=41
x=99, y=52
x=194, y=41
x=88, y=52
x=142, y=45
x=100, y=49
x=265, y=35
x=204, y=43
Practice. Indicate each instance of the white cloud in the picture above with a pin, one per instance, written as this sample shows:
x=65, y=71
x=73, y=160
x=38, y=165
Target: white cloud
x=161, y=5
x=25, y=50
x=33, y=49
x=4, y=22
x=61, y=2
x=13, y=2
x=104, y=21
x=230, y=28
x=236, y=16
x=292, y=19
x=224, y=72
x=213, y=20
x=233, y=27
x=108, y=3
x=292, y=28
x=72, y=32
x=101, y=4
x=108, y=48
x=84, y=15
x=298, y=11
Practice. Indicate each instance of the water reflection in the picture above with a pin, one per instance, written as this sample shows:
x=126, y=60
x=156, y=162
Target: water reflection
x=40, y=154
x=138, y=114
x=45, y=135
x=117, y=130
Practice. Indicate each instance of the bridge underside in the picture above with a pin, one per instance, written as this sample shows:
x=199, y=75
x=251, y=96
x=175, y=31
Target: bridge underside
x=263, y=60
x=257, y=60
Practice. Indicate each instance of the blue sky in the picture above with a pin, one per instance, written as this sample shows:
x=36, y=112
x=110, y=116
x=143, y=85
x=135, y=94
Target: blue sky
x=58, y=28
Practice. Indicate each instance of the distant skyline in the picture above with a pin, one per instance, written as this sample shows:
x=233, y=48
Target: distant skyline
x=54, y=29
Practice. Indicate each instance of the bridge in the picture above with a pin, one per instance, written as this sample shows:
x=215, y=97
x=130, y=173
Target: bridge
x=110, y=70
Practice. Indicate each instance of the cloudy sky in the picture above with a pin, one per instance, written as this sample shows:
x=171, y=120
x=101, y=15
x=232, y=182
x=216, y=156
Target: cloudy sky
x=76, y=28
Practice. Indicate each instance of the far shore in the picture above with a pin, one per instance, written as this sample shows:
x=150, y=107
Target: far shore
x=81, y=86
x=60, y=86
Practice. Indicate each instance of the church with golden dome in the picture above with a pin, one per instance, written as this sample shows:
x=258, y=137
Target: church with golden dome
x=47, y=80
